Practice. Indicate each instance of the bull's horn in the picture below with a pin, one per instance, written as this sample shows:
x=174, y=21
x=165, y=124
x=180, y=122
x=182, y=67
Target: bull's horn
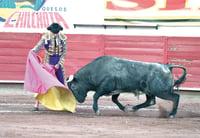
x=71, y=77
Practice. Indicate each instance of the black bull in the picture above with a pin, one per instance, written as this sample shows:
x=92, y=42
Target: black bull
x=108, y=75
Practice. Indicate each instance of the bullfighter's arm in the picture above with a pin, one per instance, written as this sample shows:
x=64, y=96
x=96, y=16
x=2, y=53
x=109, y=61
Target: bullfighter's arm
x=40, y=44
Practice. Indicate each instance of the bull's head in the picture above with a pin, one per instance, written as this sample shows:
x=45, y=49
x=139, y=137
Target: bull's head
x=77, y=88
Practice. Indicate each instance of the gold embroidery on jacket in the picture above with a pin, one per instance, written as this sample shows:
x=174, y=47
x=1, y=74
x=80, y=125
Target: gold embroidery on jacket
x=58, y=49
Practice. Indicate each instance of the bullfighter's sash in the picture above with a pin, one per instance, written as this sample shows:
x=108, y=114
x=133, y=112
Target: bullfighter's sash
x=41, y=79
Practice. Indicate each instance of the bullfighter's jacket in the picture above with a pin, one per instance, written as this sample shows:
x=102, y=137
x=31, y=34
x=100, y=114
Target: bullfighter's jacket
x=53, y=46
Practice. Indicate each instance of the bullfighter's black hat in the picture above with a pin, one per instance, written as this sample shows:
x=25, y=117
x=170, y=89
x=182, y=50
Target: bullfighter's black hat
x=55, y=28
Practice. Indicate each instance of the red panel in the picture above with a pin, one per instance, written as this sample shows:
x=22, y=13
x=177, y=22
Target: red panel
x=193, y=78
x=73, y=65
x=133, y=51
x=14, y=44
x=17, y=44
x=12, y=76
x=83, y=54
x=184, y=40
x=84, y=38
x=77, y=62
x=134, y=38
x=189, y=78
x=191, y=85
x=14, y=51
x=186, y=63
x=72, y=69
x=83, y=46
x=184, y=48
x=129, y=44
x=191, y=70
x=12, y=67
x=140, y=48
x=143, y=58
x=20, y=36
x=70, y=72
x=16, y=60
x=184, y=55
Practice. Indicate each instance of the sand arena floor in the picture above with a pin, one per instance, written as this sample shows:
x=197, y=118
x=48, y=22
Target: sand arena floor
x=17, y=119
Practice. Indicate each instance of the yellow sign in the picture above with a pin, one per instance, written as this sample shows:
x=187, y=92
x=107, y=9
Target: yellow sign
x=168, y=12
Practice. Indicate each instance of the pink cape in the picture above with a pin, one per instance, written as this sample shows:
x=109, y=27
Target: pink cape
x=39, y=77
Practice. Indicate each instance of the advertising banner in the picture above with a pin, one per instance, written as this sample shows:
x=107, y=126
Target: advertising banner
x=37, y=15
x=164, y=12
x=33, y=15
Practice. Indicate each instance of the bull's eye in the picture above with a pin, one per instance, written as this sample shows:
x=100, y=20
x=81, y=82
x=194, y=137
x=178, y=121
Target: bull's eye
x=73, y=87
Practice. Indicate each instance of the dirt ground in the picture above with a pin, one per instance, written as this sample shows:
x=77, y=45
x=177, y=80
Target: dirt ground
x=17, y=119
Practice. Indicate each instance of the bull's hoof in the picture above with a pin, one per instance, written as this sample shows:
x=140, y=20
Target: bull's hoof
x=171, y=116
x=134, y=109
x=98, y=113
x=128, y=109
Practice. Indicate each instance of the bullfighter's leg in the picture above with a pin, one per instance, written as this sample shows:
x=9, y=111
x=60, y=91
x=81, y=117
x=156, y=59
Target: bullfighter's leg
x=36, y=106
x=115, y=100
x=150, y=100
x=174, y=98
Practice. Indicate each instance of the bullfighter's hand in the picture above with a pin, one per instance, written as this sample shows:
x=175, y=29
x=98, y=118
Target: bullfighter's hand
x=57, y=66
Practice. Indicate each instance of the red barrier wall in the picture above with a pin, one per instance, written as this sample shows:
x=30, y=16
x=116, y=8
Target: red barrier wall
x=82, y=49
x=185, y=51
x=140, y=48
x=14, y=48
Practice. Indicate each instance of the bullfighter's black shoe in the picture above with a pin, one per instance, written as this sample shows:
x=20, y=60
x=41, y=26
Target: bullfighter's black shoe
x=35, y=109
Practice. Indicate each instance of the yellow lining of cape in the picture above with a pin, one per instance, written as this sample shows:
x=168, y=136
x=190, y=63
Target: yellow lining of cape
x=57, y=98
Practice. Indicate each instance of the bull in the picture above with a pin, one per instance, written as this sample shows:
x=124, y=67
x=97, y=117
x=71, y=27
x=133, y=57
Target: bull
x=109, y=75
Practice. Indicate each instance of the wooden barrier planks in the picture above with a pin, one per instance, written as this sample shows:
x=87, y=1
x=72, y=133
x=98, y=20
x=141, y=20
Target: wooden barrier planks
x=14, y=48
x=141, y=48
x=185, y=51
x=83, y=48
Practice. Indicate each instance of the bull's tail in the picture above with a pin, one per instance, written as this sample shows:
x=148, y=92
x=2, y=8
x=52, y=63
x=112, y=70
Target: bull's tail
x=182, y=79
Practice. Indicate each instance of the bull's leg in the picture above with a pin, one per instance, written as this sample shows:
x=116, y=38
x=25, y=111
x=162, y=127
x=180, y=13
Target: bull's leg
x=96, y=97
x=174, y=98
x=95, y=103
x=106, y=87
x=115, y=100
x=150, y=100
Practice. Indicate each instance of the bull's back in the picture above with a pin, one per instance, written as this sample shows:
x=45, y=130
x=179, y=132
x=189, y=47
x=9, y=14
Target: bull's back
x=109, y=64
x=122, y=68
x=118, y=66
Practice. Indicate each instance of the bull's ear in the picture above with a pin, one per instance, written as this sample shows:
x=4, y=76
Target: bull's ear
x=71, y=77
